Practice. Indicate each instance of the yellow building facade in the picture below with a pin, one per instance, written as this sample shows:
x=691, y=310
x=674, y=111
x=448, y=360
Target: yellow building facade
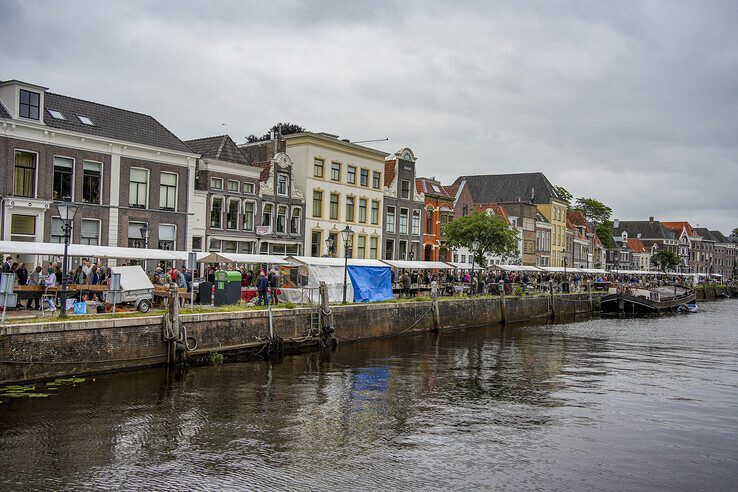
x=555, y=212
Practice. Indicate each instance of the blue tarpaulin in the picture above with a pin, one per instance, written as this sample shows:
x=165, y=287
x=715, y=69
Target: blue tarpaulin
x=371, y=283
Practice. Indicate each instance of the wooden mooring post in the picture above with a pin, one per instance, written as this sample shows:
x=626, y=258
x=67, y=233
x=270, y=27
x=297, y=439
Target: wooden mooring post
x=503, y=306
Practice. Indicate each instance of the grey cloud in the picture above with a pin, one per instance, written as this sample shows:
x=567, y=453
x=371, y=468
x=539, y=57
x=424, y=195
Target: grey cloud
x=633, y=103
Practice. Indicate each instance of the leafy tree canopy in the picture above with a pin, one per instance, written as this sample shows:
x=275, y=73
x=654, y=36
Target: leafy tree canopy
x=594, y=210
x=604, y=231
x=492, y=232
x=735, y=232
x=284, y=128
x=665, y=259
x=564, y=194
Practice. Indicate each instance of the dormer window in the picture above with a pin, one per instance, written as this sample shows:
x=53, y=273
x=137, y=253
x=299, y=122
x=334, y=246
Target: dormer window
x=85, y=120
x=56, y=114
x=30, y=103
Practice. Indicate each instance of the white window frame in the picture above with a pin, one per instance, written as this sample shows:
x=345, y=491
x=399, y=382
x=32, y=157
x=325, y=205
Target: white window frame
x=210, y=211
x=284, y=222
x=176, y=190
x=158, y=239
x=391, y=225
x=238, y=186
x=148, y=184
x=216, y=179
x=253, y=215
x=247, y=184
x=413, y=230
x=102, y=174
x=407, y=221
x=99, y=230
x=228, y=209
x=35, y=173
x=74, y=164
x=299, y=219
x=286, y=184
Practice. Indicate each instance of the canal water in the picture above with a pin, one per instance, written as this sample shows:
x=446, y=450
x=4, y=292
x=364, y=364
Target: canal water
x=605, y=403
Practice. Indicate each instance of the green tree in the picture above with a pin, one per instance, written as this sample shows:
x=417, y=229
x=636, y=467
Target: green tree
x=665, y=259
x=564, y=194
x=735, y=232
x=283, y=128
x=495, y=236
x=594, y=210
x=604, y=231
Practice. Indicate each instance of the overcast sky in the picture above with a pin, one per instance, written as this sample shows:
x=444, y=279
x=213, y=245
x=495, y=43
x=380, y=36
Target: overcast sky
x=633, y=103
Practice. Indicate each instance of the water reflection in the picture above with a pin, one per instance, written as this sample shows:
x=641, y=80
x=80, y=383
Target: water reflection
x=603, y=403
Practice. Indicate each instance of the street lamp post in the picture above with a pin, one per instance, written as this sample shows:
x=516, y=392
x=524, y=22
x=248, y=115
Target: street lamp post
x=473, y=250
x=330, y=243
x=66, y=212
x=565, y=285
x=347, y=234
x=145, y=234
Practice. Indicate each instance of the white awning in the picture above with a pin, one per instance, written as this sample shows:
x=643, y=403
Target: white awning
x=84, y=251
x=518, y=268
x=242, y=258
x=418, y=265
x=313, y=260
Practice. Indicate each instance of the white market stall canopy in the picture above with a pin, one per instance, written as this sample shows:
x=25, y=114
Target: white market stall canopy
x=636, y=272
x=241, y=258
x=517, y=268
x=323, y=261
x=593, y=270
x=418, y=265
x=85, y=251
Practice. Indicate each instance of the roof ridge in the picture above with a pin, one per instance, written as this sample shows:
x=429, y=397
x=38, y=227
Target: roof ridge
x=205, y=138
x=103, y=105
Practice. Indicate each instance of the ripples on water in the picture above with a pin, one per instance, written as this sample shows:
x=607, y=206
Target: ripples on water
x=607, y=404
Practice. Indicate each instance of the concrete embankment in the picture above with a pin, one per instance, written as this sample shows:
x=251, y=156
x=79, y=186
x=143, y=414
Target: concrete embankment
x=37, y=351
x=713, y=292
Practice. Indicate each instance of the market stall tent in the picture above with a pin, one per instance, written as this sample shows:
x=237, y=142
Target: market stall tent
x=368, y=280
x=241, y=258
x=418, y=265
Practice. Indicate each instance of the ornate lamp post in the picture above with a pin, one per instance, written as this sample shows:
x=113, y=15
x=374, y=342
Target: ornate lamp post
x=145, y=234
x=66, y=211
x=330, y=244
x=348, y=235
x=473, y=250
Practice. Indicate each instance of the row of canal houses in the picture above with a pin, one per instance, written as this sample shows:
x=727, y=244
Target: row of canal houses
x=289, y=194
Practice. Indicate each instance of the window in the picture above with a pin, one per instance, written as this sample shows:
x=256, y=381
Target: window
x=229, y=246
x=362, y=211
x=317, y=203
x=402, y=255
x=85, y=120
x=138, y=188
x=350, y=203
x=167, y=235
x=465, y=210
x=281, y=218
x=264, y=248
x=56, y=114
x=429, y=221
x=375, y=212
x=266, y=214
x=248, y=215
x=23, y=228
x=90, y=232
x=405, y=188
x=315, y=243
x=234, y=186
x=25, y=174
x=416, y=223
x=403, y=220
x=30, y=103
x=57, y=230
x=214, y=245
x=248, y=188
x=336, y=171
x=318, y=168
x=63, y=167
x=333, y=207
x=334, y=240
x=390, y=220
x=361, y=247
x=282, y=184
x=232, y=214
x=295, y=221
x=216, y=183
x=197, y=243
x=389, y=249
x=91, y=181
x=376, y=179
x=373, y=245
x=168, y=191
x=351, y=174
x=134, y=235
x=364, y=177
x=216, y=212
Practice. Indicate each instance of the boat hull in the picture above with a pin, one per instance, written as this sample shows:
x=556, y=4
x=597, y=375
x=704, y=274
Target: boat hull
x=630, y=304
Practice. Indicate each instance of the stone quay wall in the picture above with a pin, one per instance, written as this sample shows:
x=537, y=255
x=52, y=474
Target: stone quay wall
x=37, y=351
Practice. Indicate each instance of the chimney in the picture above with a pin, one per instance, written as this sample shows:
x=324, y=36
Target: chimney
x=616, y=223
x=650, y=219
